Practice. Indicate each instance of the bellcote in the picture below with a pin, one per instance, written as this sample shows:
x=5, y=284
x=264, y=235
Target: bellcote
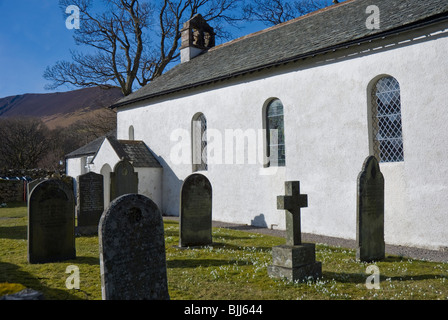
x=196, y=37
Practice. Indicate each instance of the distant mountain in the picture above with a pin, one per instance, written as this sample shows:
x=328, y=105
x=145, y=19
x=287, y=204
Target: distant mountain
x=59, y=109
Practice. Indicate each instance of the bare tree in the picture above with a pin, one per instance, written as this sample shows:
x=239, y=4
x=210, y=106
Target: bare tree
x=132, y=41
x=97, y=125
x=273, y=12
x=63, y=140
x=23, y=142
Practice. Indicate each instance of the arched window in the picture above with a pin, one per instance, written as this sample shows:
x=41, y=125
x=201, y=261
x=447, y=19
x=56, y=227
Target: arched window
x=387, y=140
x=275, y=133
x=131, y=133
x=199, y=142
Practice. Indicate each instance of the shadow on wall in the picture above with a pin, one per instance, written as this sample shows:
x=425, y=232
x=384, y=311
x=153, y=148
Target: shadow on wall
x=259, y=221
x=171, y=186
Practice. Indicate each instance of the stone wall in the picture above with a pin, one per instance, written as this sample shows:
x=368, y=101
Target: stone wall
x=15, y=190
x=31, y=173
x=12, y=190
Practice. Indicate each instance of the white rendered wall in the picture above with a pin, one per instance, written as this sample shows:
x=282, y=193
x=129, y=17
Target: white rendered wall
x=73, y=167
x=150, y=184
x=105, y=155
x=325, y=103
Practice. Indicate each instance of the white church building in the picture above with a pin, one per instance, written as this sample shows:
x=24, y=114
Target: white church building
x=305, y=100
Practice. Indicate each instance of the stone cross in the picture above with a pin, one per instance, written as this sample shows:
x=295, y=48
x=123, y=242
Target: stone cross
x=291, y=202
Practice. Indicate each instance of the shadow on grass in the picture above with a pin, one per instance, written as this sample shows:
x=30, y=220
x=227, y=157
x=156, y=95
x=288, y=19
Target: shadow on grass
x=229, y=237
x=12, y=273
x=171, y=233
x=14, y=233
x=225, y=237
x=345, y=277
x=362, y=277
x=230, y=246
x=194, y=263
x=227, y=246
x=15, y=205
x=85, y=260
x=394, y=259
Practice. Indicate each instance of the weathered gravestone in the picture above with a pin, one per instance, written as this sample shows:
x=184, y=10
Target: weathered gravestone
x=370, y=212
x=295, y=260
x=51, y=222
x=195, y=211
x=124, y=180
x=132, y=250
x=90, y=202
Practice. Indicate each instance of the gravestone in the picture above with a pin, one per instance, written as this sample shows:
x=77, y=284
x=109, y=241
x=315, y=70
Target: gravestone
x=132, y=250
x=90, y=202
x=124, y=180
x=370, y=212
x=295, y=260
x=31, y=185
x=195, y=212
x=51, y=222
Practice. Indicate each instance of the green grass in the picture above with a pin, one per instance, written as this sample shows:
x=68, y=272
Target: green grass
x=234, y=267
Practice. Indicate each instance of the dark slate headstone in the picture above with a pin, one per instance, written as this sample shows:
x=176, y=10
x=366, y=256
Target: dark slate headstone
x=51, y=222
x=370, y=212
x=195, y=211
x=132, y=250
x=90, y=202
x=124, y=180
x=31, y=186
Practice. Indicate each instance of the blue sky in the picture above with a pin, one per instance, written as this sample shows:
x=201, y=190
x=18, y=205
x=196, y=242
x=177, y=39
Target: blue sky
x=33, y=36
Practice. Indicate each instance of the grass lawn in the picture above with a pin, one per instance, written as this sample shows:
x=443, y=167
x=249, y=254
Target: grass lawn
x=234, y=268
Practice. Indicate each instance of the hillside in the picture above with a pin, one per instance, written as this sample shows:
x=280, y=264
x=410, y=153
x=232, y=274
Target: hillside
x=59, y=109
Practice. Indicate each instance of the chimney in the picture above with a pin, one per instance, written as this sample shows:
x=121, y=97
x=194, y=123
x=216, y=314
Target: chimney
x=196, y=36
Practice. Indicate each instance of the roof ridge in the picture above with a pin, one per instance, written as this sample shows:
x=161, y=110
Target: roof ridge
x=280, y=25
x=130, y=141
x=326, y=30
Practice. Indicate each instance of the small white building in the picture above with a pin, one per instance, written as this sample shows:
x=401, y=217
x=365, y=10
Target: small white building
x=103, y=154
x=337, y=85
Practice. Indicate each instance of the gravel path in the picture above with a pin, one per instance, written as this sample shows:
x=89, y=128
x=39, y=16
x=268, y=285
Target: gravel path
x=410, y=252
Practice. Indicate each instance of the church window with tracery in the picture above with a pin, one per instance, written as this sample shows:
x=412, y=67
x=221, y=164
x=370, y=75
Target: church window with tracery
x=386, y=120
x=199, y=142
x=275, y=132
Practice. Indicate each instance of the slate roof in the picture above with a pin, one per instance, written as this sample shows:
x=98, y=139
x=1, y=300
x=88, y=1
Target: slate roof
x=136, y=152
x=89, y=149
x=326, y=30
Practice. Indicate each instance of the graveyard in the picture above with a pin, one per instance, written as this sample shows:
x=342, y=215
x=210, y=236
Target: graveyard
x=234, y=266
x=191, y=187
